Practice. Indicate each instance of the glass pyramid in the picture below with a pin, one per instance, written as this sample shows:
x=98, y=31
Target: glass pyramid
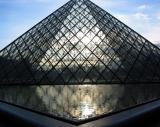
x=80, y=43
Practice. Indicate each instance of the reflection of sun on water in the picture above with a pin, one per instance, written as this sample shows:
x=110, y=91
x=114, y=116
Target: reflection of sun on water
x=80, y=102
x=84, y=110
x=88, y=105
x=87, y=110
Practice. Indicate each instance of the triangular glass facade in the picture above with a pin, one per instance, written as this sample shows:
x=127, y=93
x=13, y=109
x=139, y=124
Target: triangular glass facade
x=80, y=43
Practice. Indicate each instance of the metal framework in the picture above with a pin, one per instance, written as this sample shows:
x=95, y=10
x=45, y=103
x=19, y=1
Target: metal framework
x=77, y=44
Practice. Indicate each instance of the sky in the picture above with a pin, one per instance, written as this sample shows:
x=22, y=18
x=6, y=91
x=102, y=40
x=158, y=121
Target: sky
x=17, y=16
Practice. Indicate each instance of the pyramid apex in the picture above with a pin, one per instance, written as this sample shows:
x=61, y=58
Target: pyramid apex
x=80, y=0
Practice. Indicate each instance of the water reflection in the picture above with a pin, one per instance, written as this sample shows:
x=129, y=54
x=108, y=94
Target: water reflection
x=80, y=101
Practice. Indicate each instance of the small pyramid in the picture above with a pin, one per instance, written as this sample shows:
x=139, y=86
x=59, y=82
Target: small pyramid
x=80, y=43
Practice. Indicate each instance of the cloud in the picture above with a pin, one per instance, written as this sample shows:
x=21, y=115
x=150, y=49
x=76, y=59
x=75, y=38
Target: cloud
x=143, y=7
x=110, y=3
x=140, y=15
x=143, y=24
x=153, y=34
x=158, y=16
x=133, y=19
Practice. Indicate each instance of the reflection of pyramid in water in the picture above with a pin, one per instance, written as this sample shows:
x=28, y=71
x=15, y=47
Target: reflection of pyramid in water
x=79, y=43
